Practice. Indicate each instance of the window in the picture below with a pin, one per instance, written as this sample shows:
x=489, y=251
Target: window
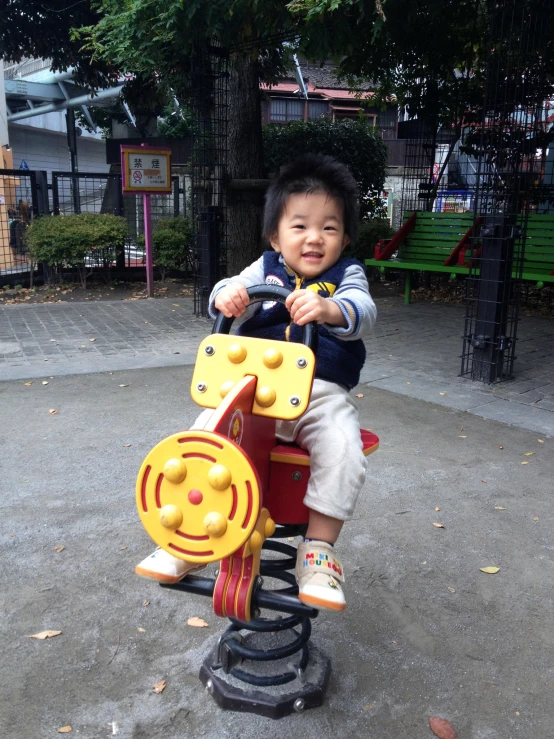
x=283, y=110
x=317, y=109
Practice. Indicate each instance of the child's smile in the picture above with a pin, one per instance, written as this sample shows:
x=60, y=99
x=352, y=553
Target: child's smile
x=311, y=233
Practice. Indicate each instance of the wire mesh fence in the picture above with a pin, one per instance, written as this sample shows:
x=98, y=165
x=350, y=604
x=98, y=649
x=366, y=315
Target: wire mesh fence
x=513, y=237
x=209, y=99
x=19, y=204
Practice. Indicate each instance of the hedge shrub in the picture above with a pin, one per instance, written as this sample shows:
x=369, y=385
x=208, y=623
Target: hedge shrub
x=74, y=240
x=354, y=142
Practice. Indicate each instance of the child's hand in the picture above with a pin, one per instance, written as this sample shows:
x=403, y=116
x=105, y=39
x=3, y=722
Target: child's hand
x=232, y=300
x=306, y=306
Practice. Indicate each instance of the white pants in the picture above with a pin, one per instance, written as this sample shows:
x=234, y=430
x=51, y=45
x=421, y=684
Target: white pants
x=329, y=431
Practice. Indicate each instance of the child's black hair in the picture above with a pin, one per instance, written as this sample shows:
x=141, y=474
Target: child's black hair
x=313, y=173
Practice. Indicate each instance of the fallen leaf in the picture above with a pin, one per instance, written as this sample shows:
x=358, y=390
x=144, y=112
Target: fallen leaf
x=483, y=481
x=501, y=447
x=44, y=634
x=159, y=687
x=528, y=454
x=124, y=386
x=437, y=508
x=438, y=525
x=524, y=463
x=462, y=437
x=451, y=590
x=516, y=713
x=535, y=518
x=45, y=382
x=53, y=411
x=92, y=339
x=175, y=304
x=394, y=642
x=65, y=729
x=442, y=393
x=408, y=383
x=141, y=629
x=499, y=508
x=541, y=441
x=490, y=570
x=197, y=621
x=146, y=603
x=59, y=548
x=122, y=548
x=441, y=728
x=126, y=445
x=28, y=384
x=359, y=395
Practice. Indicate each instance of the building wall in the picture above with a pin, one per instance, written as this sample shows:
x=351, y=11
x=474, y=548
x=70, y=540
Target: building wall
x=47, y=150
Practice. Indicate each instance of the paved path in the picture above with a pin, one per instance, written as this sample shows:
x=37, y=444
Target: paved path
x=415, y=351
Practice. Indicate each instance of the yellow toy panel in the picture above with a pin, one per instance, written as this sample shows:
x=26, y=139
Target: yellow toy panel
x=284, y=370
x=198, y=496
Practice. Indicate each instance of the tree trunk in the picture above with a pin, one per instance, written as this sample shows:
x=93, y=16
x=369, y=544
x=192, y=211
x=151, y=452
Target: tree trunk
x=245, y=161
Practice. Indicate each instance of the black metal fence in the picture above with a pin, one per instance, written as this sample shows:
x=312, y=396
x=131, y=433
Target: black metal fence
x=27, y=194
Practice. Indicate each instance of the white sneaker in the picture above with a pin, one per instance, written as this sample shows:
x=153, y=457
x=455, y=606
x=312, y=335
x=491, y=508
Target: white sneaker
x=164, y=567
x=319, y=576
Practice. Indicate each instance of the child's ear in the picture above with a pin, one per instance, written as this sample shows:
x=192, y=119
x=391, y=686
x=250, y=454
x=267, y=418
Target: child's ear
x=345, y=241
x=275, y=244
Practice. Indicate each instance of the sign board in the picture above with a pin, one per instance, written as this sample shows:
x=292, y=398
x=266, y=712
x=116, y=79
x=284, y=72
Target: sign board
x=146, y=170
x=23, y=165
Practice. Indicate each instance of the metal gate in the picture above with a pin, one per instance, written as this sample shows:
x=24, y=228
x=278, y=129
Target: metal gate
x=23, y=195
x=100, y=192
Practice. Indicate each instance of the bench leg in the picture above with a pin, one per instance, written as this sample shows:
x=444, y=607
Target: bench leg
x=408, y=287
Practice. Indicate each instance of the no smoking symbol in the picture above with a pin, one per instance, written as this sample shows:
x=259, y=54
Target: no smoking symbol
x=137, y=175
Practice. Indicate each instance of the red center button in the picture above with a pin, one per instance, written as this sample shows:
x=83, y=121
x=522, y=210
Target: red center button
x=195, y=497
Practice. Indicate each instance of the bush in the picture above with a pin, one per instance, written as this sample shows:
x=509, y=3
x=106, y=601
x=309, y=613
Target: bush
x=73, y=240
x=172, y=240
x=355, y=143
x=370, y=233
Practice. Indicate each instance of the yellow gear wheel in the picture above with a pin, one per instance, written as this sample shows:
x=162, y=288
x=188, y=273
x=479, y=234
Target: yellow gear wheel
x=198, y=496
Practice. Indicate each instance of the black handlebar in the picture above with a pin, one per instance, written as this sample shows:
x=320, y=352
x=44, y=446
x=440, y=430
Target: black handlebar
x=257, y=293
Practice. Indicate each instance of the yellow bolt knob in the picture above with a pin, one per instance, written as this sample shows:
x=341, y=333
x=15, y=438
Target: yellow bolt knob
x=171, y=517
x=256, y=541
x=215, y=524
x=273, y=358
x=269, y=529
x=219, y=477
x=224, y=389
x=175, y=470
x=236, y=353
x=265, y=396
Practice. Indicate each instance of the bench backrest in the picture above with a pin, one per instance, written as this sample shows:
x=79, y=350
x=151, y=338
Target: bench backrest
x=539, y=243
x=434, y=237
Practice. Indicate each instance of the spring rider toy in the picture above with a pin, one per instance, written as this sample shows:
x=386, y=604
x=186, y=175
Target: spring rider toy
x=225, y=493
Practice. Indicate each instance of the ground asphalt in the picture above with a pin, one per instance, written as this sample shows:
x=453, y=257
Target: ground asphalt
x=426, y=632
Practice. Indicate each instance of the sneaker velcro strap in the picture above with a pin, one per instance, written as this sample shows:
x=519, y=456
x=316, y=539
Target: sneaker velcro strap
x=324, y=562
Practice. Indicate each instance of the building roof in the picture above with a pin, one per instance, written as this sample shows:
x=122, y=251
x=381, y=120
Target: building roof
x=324, y=92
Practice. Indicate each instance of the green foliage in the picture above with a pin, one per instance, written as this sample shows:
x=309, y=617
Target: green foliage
x=176, y=123
x=355, y=143
x=69, y=240
x=172, y=241
x=371, y=232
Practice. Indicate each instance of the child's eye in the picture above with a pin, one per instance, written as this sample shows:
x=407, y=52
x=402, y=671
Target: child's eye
x=298, y=225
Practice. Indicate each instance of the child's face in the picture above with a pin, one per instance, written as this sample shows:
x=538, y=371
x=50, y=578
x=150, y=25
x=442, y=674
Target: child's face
x=310, y=235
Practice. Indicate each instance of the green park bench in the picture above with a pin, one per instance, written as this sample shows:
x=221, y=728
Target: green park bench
x=441, y=242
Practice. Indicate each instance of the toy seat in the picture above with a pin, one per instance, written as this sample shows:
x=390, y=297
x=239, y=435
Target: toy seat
x=289, y=471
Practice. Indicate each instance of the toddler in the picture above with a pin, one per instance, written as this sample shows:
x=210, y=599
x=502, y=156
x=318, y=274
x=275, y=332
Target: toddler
x=311, y=214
